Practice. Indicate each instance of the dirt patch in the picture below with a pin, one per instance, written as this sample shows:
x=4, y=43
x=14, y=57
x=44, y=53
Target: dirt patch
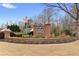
x=15, y=49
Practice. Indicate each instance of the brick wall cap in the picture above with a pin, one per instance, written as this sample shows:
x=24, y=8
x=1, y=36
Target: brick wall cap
x=5, y=29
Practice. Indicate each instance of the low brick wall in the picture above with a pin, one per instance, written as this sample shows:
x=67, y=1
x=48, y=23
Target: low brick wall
x=39, y=40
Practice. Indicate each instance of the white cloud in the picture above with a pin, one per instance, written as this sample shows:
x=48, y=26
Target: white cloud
x=8, y=5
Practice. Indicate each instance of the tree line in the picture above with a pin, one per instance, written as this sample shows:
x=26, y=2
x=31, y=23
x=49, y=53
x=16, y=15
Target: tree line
x=69, y=22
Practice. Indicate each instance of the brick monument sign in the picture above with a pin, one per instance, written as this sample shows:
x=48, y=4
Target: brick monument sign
x=40, y=29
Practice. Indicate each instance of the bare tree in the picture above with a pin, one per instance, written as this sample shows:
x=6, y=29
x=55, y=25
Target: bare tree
x=66, y=8
x=47, y=14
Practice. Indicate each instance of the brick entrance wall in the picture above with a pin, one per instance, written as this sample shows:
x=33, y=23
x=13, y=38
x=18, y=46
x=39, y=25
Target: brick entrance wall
x=40, y=40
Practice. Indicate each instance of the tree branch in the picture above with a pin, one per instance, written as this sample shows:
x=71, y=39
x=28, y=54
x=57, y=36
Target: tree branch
x=65, y=7
x=77, y=17
x=60, y=7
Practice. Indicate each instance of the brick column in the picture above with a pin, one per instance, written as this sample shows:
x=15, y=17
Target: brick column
x=6, y=34
x=47, y=29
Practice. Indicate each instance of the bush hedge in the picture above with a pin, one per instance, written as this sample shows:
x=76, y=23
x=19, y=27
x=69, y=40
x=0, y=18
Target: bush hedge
x=25, y=36
x=38, y=36
x=15, y=35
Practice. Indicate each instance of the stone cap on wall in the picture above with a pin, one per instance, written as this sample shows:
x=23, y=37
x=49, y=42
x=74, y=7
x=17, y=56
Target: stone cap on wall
x=5, y=29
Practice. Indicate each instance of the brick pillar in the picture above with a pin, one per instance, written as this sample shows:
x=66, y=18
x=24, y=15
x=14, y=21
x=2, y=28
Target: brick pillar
x=47, y=29
x=6, y=34
x=34, y=28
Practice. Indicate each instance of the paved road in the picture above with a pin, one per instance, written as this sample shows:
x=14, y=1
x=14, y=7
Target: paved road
x=16, y=49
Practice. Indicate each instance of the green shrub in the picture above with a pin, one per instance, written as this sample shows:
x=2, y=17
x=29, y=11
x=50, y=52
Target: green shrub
x=67, y=31
x=73, y=34
x=26, y=36
x=18, y=35
x=38, y=36
x=56, y=34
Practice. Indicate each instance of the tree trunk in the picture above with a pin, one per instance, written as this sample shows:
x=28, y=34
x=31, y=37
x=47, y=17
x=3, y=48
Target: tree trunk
x=77, y=21
x=77, y=28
